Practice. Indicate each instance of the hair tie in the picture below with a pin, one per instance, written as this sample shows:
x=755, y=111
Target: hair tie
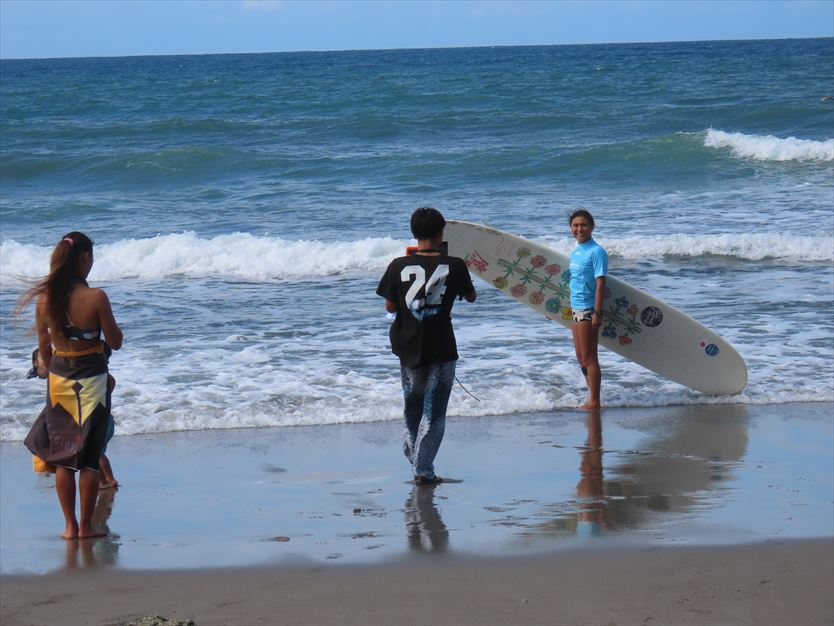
x=71, y=242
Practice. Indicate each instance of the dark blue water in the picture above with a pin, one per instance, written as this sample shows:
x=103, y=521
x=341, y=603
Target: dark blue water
x=258, y=142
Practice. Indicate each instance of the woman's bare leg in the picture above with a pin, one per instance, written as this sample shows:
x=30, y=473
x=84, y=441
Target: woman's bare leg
x=88, y=492
x=586, y=342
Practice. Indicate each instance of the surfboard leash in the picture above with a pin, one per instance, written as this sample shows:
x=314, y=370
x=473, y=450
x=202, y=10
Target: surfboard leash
x=466, y=390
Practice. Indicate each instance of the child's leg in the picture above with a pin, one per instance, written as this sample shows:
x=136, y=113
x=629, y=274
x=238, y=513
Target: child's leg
x=106, y=478
x=65, y=487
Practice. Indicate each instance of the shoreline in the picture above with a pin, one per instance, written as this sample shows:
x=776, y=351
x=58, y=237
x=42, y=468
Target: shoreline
x=776, y=582
x=461, y=418
x=679, y=515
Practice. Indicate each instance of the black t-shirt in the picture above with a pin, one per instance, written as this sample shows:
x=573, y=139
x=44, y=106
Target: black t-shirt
x=424, y=289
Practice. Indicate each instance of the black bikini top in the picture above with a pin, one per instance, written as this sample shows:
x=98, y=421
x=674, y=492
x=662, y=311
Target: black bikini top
x=76, y=333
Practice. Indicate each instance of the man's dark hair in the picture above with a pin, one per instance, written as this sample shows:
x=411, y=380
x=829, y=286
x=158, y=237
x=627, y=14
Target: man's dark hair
x=426, y=222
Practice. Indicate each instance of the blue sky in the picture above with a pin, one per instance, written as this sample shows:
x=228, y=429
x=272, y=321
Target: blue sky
x=69, y=28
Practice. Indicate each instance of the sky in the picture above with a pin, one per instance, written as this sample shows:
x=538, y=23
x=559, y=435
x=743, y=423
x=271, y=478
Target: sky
x=79, y=28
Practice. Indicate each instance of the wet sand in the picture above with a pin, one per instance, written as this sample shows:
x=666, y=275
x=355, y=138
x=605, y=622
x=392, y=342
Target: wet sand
x=678, y=515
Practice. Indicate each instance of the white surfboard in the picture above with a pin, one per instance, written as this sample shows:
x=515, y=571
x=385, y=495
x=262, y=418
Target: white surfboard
x=635, y=325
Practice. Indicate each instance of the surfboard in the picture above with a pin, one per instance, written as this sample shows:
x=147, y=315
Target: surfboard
x=635, y=325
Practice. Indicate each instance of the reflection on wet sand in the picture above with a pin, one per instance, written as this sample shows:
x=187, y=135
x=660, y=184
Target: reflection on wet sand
x=681, y=466
x=687, y=462
x=425, y=529
x=590, y=518
x=97, y=551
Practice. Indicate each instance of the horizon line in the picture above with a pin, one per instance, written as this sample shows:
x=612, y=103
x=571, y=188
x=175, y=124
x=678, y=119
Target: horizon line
x=451, y=47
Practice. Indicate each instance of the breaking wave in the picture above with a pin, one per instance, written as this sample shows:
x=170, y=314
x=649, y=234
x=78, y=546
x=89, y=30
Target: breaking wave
x=242, y=256
x=770, y=148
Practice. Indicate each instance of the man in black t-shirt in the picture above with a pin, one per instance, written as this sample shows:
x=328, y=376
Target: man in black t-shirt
x=421, y=289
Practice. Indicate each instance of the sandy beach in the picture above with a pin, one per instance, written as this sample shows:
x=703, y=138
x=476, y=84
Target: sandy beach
x=773, y=583
x=677, y=515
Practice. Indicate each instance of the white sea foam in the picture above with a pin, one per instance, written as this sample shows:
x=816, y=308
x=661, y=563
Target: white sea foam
x=238, y=255
x=753, y=247
x=770, y=148
x=314, y=368
x=246, y=257
x=146, y=402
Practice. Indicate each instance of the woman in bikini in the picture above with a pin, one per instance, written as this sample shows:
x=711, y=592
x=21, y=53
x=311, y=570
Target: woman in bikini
x=70, y=432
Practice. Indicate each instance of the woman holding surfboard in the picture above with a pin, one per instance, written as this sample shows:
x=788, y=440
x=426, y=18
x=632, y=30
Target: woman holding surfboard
x=588, y=268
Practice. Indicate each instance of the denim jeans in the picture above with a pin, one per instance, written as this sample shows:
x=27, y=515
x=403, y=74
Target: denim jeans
x=426, y=391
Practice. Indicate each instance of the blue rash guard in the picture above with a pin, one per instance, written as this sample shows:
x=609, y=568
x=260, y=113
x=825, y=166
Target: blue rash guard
x=588, y=261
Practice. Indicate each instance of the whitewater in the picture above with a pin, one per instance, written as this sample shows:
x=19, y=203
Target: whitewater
x=243, y=256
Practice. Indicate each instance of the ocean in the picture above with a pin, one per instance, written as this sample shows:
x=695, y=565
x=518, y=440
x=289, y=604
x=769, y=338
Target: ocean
x=244, y=208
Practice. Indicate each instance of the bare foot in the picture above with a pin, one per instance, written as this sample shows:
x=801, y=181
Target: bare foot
x=71, y=532
x=590, y=406
x=90, y=534
x=422, y=480
x=108, y=484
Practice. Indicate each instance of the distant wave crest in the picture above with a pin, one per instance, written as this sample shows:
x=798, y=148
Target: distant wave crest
x=770, y=148
x=748, y=247
x=752, y=247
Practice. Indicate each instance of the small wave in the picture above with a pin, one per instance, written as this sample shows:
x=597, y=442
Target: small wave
x=238, y=255
x=770, y=148
x=20, y=166
x=134, y=167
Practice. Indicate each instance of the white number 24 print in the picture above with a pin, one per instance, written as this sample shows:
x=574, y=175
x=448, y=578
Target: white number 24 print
x=435, y=287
